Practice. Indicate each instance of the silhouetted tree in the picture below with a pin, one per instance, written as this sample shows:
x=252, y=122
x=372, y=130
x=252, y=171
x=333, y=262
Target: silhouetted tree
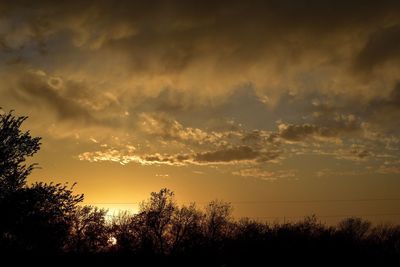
x=354, y=228
x=124, y=230
x=185, y=228
x=156, y=214
x=247, y=229
x=385, y=240
x=89, y=231
x=15, y=147
x=37, y=217
x=218, y=219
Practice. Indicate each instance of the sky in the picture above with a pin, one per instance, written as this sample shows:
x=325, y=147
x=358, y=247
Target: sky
x=283, y=108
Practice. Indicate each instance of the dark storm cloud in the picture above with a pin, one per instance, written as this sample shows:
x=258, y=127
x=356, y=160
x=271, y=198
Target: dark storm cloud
x=69, y=101
x=171, y=101
x=250, y=62
x=392, y=101
x=394, y=97
x=385, y=111
x=193, y=45
x=382, y=46
x=235, y=33
x=35, y=91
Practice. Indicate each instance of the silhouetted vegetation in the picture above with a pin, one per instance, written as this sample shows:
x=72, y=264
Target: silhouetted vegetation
x=49, y=219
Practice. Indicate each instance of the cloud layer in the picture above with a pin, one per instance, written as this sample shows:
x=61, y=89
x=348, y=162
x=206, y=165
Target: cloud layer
x=208, y=83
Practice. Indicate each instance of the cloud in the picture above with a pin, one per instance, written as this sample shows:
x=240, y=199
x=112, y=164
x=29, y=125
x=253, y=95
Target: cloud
x=111, y=155
x=158, y=159
x=389, y=166
x=382, y=46
x=335, y=173
x=36, y=87
x=204, y=83
x=265, y=175
x=170, y=101
x=67, y=100
x=340, y=136
x=229, y=155
x=235, y=154
x=167, y=128
x=389, y=170
x=383, y=111
x=201, y=47
x=297, y=132
x=356, y=152
x=340, y=124
x=361, y=154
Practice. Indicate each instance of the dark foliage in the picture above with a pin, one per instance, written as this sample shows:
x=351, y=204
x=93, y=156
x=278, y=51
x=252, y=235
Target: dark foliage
x=44, y=221
x=15, y=148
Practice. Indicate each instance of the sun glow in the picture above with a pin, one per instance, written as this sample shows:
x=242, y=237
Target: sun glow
x=114, y=211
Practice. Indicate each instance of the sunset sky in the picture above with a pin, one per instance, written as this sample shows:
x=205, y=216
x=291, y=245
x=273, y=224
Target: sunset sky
x=284, y=108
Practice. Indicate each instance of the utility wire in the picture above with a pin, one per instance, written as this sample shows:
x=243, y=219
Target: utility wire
x=304, y=216
x=263, y=201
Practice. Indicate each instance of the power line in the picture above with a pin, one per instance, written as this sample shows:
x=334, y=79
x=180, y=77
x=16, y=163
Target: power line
x=304, y=216
x=330, y=216
x=263, y=201
x=316, y=201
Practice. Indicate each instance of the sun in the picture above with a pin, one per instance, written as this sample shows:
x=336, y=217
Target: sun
x=112, y=241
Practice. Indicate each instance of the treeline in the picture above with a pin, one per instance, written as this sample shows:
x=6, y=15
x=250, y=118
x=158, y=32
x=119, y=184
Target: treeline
x=48, y=220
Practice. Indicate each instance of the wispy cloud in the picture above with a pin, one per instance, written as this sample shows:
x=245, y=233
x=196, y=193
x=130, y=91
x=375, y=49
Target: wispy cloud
x=264, y=174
